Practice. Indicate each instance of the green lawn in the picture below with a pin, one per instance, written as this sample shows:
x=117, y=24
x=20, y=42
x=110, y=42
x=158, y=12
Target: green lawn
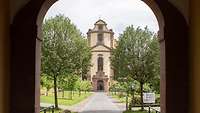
x=65, y=101
x=135, y=111
x=56, y=111
x=122, y=99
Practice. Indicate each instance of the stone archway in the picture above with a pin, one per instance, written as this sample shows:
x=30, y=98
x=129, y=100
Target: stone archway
x=25, y=56
x=100, y=85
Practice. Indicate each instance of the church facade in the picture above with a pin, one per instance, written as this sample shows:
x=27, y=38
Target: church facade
x=101, y=40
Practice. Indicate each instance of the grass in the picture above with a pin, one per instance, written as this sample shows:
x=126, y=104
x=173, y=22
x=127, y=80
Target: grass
x=65, y=101
x=121, y=99
x=56, y=111
x=139, y=111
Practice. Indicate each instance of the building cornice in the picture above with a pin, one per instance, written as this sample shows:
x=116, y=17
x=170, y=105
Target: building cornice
x=101, y=51
x=100, y=31
x=101, y=45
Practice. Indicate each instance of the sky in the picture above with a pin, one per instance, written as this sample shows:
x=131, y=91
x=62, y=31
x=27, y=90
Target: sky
x=118, y=14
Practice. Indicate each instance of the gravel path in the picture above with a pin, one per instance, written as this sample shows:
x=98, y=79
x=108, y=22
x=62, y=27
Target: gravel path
x=100, y=103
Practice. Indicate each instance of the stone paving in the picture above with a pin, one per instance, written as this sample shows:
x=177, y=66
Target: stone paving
x=100, y=103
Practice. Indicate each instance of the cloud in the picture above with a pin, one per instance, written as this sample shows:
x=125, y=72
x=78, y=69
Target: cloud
x=117, y=13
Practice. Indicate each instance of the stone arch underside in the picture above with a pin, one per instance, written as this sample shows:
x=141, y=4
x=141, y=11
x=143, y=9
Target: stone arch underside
x=25, y=57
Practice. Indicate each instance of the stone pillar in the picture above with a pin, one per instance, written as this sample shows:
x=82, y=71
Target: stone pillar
x=94, y=84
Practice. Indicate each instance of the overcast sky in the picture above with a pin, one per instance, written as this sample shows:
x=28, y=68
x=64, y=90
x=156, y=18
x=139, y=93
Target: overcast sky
x=118, y=14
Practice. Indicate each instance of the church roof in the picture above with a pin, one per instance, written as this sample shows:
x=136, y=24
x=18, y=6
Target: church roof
x=100, y=22
x=96, y=30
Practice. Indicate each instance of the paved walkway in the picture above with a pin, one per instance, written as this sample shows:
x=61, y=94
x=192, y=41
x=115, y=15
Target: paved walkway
x=100, y=103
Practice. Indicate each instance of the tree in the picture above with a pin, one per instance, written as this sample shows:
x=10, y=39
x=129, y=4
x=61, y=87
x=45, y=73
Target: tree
x=62, y=50
x=86, y=85
x=136, y=57
x=46, y=82
x=83, y=57
x=71, y=83
x=83, y=85
x=155, y=81
x=62, y=81
x=78, y=86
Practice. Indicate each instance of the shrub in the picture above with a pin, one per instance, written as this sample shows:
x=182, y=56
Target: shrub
x=121, y=94
x=158, y=100
x=137, y=100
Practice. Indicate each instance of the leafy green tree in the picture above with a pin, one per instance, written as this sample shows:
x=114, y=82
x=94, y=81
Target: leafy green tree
x=62, y=84
x=154, y=82
x=83, y=57
x=86, y=85
x=62, y=51
x=70, y=84
x=78, y=86
x=136, y=57
x=46, y=82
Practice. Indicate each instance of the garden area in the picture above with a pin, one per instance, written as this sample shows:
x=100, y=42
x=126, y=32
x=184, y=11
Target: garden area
x=68, y=99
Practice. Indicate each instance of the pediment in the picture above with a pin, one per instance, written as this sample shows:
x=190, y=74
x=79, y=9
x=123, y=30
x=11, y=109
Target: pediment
x=100, y=48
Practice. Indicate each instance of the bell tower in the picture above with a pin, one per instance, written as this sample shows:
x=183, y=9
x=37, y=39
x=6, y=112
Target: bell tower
x=100, y=39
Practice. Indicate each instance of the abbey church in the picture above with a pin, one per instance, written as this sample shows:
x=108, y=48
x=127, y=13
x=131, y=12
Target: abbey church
x=101, y=40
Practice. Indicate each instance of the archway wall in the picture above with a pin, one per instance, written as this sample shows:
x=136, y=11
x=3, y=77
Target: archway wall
x=24, y=84
x=195, y=56
x=176, y=33
x=25, y=59
x=182, y=6
x=4, y=56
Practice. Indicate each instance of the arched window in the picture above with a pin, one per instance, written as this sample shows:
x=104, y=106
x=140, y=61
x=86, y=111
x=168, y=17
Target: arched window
x=100, y=38
x=100, y=64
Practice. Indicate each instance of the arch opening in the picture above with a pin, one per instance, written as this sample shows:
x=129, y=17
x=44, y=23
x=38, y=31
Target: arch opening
x=172, y=34
x=100, y=84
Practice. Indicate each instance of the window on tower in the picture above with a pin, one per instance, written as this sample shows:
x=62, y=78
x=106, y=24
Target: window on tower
x=100, y=38
x=100, y=63
x=100, y=27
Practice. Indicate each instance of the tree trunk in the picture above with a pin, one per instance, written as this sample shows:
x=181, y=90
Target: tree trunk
x=127, y=100
x=63, y=93
x=71, y=94
x=132, y=100
x=55, y=92
x=79, y=93
x=141, y=95
x=47, y=94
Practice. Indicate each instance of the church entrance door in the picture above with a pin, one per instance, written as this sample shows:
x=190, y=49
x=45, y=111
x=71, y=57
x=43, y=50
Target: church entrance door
x=100, y=85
